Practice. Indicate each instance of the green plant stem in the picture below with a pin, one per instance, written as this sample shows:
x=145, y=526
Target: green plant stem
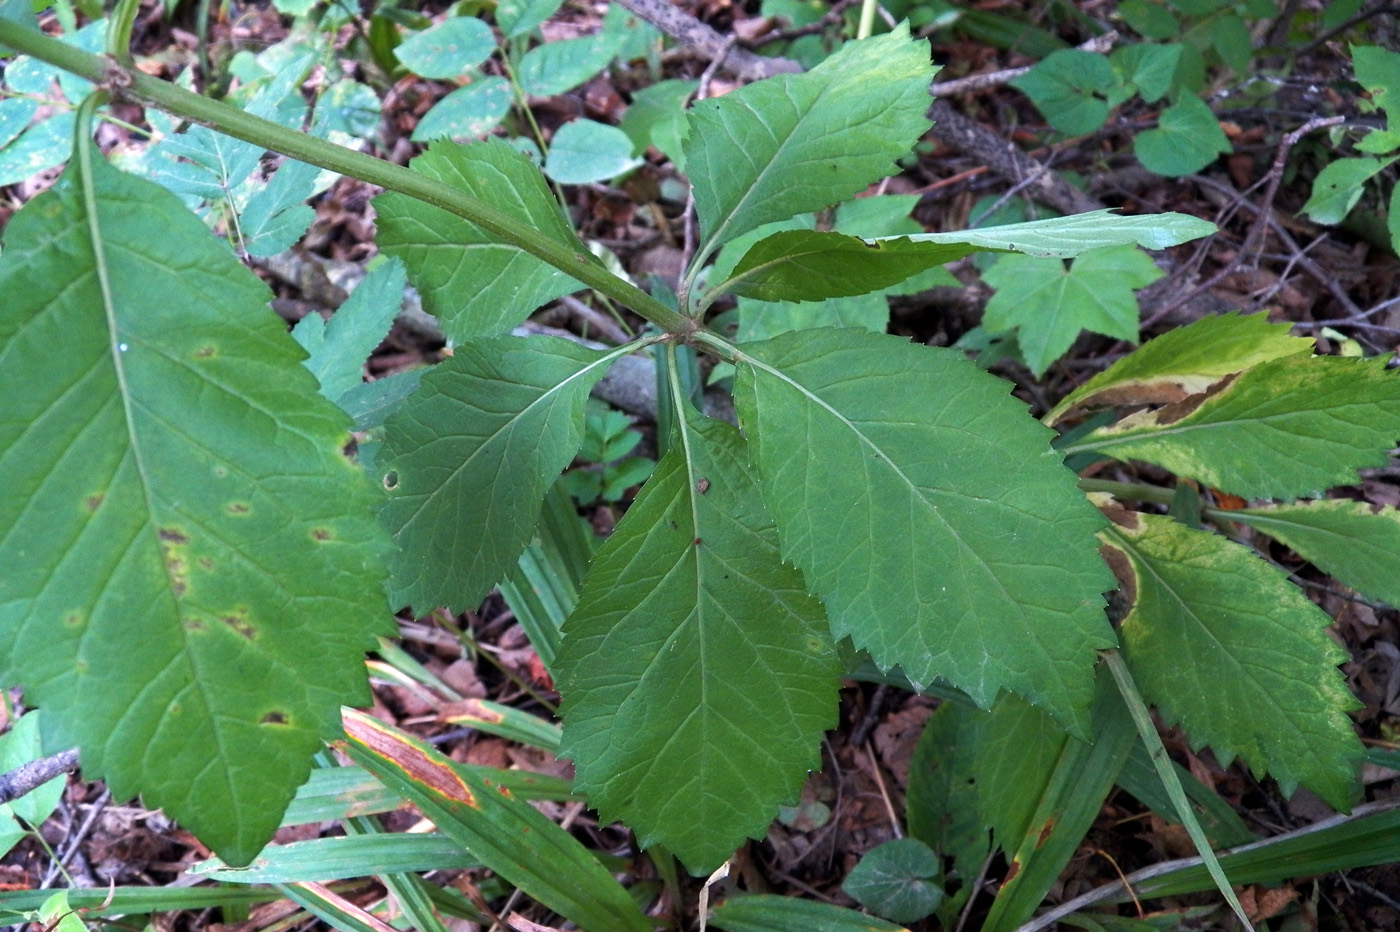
x=232, y=121
x=867, y=19
x=1139, y=492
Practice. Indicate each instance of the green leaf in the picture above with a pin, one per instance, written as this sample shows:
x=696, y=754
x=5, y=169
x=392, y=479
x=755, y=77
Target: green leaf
x=42, y=146
x=474, y=284
x=1014, y=748
x=1286, y=428
x=558, y=67
x=941, y=803
x=697, y=673
x=657, y=118
x=518, y=17
x=963, y=548
x=1062, y=808
x=1188, y=137
x=802, y=265
x=19, y=746
x=806, y=265
x=182, y=500
x=894, y=880
x=339, y=348
x=1049, y=305
x=584, y=151
x=1067, y=237
x=1338, y=187
x=1357, y=543
x=759, y=320
x=321, y=860
x=764, y=913
x=1186, y=361
x=468, y=112
x=449, y=49
x=797, y=143
x=1378, y=70
x=495, y=423
x=508, y=835
x=1071, y=88
x=1226, y=647
x=275, y=216
x=1149, y=68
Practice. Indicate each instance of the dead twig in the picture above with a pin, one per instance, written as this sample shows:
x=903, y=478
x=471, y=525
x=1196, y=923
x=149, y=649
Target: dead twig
x=29, y=777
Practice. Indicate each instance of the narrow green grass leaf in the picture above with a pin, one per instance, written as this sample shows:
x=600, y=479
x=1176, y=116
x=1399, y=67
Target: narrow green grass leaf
x=496, y=422
x=1286, y=428
x=1226, y=647
x=543, y=587
x=1186, y=361
x=765, y=913
x=502, y=720
x=1065, y=808
x=697, y=674
x=1220, y=823
x=332, y=908
x=474, y=284
x=1048, y=304
x=1357, y=543
x=134, y=901
x=797, y=143
x=325, y=859
x=929, y=514
x=189, y=588
x=508, y=835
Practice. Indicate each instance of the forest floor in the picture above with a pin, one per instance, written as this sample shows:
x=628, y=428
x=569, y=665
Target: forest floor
x=1335, y=284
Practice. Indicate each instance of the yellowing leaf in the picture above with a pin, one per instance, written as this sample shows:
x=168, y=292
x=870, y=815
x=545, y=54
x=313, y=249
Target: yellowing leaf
x=1227, y=648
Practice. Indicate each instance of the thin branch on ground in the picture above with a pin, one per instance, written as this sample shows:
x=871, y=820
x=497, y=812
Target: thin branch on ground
x=29, y=777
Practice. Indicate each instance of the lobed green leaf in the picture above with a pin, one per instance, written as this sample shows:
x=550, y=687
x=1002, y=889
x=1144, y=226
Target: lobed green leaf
x=190, y=583
x=1048, y=305
x=697, y=673
x=928, y=513
x=1227, y=648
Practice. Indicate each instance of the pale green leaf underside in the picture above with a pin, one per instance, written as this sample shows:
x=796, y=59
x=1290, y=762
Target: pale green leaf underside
x=189, y=585
x=929, y=514
x=759, y=320
x=1048, y=305
x=697, y=673
x=340, y=346
x=473, y=283
x=469, y=457
x=1226, y=647
x=1288, y=427
x=1066, y=237
x=1353, y=541
x=805, y=265
x=797, y=143
x=1186, y=361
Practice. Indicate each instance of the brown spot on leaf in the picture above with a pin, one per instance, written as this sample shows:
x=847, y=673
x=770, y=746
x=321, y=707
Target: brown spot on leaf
x=205, y=352
x=193, y=624
x=94, y=501
x=240, y=623
x=172, y=535
x=273, y=718
x=1045, y=831
x=1175, y=412
x=239, y=508
x=702, y=486
x=73, y=619
x=416, y=763
x=205, y=563
x=320, y=533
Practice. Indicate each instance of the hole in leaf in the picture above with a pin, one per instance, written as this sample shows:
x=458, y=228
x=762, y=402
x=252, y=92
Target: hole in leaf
x=391, y=480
